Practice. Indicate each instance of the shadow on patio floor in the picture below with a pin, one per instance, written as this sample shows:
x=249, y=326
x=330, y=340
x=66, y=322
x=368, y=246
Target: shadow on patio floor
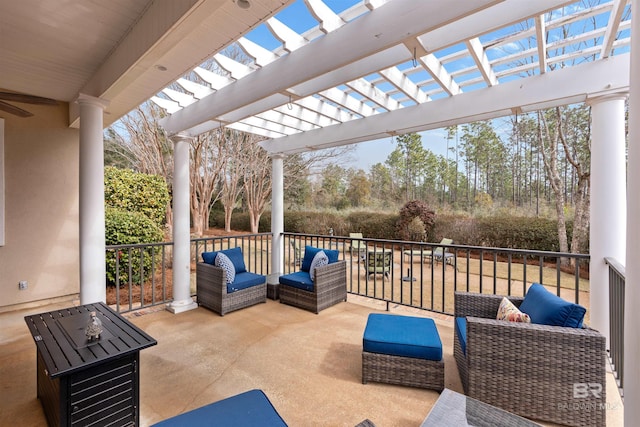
x=309, y=365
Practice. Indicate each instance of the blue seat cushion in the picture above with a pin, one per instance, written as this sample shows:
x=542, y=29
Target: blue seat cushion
x=546, y=308
x=311, y=251
x=461, y=332
x=299, y=279
x=245, y=280
x=234, y=254
x=405, y=336
x=248, y=409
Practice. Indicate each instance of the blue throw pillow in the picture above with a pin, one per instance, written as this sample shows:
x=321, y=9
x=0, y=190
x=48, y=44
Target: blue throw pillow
x=235, y=255
x=209, y=257
x=546, y=308
x=310, y=253
x=225, y=263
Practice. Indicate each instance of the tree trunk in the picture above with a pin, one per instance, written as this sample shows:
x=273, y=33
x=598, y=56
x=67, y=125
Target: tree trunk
x=550, y=159
x=228, y=210
x=581, y=216
x=254, y=217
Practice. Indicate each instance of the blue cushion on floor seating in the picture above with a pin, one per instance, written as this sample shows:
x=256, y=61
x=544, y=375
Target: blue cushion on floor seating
x=461, y=331
x=546, y=308
x=245, y=280
x=311, y=251
x=405, y=336
x=234, y=254
x=300, y=279
x=248, y=409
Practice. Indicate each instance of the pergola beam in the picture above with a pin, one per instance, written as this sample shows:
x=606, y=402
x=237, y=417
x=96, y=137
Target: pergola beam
x=560, y=87
x=367, y=35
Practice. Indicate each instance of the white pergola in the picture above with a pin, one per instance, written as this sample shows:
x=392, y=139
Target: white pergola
x=383, y=68
x=374, y=69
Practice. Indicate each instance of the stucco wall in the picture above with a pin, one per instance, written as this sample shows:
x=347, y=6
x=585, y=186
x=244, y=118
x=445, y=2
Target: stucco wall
x=41, y=208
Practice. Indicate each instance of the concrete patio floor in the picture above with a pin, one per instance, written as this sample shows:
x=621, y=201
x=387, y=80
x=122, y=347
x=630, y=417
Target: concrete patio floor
x=309, y=365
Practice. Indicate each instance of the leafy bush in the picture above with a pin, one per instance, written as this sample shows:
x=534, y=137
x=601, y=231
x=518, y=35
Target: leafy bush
x=136, y=192
x=500, y=231
x=374, y=225
x=123, y=228
x=412, y=210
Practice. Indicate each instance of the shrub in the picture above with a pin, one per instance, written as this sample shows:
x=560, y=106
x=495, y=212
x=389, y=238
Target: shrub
x=123, y=228
x=136, y=192
x=499, y=231
x=412, y=210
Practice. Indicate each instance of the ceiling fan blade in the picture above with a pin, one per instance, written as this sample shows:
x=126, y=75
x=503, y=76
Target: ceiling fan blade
x=28, y=99
x=14, y=110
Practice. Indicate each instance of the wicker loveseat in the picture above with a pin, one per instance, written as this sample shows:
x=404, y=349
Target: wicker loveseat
x=216, y=293
x=328, y=288
x=550, y=373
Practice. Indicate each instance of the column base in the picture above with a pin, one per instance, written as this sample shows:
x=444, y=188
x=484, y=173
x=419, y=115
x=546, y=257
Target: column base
x=273, y=284
x=181, y=306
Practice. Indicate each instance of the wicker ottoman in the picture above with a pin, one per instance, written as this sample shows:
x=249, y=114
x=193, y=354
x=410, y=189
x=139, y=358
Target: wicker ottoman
x=402, y=350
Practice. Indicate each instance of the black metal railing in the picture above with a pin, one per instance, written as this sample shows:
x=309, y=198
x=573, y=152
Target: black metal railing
x=616, y=319
x=425, y=275
x=421, y=275
x=139, y=276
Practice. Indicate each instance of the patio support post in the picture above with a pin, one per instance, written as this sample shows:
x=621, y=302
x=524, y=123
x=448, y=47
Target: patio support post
x=632, y=288
x=277, y=224
x=93, y=286
x=608, y=206
x=182, y=300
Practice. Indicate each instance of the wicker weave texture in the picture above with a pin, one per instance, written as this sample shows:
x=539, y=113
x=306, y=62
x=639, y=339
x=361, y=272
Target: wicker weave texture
x=211, y=290
x=330, y=288
x=542, y=372
x=407, y=371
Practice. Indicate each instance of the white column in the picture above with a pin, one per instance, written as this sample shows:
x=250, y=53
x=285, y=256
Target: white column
x=182, y=300
x=632, y=289
x=92, y=229
x=277, y=224
x=608, y=221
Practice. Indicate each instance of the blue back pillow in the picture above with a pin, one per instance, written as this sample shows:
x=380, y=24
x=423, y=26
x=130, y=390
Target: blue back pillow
x=311, y=251
x=234, y=254
x=546, y=308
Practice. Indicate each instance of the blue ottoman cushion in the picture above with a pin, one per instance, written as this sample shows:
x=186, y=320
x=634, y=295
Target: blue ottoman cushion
x=404, y=336
x=248, y=409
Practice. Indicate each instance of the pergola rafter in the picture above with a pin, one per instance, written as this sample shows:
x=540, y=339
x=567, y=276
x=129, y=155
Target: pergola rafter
x=401, y=54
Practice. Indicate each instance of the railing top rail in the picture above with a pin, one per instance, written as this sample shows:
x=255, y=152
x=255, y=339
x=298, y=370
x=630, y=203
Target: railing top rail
x=231, y=236
x=616, y=265
x=527, y=252
x=138, y=245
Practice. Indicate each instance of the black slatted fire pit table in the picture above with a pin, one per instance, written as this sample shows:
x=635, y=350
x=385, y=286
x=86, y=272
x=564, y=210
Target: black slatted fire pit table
x=88, y=382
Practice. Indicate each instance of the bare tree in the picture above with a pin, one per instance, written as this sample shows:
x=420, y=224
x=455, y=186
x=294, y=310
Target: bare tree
x=549, y=140
x=231, y=143
x=205, y=176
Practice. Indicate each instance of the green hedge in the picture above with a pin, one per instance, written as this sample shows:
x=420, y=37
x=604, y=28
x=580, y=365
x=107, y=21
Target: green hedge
x=501, y=232
x=136, y=192
x=123, y=228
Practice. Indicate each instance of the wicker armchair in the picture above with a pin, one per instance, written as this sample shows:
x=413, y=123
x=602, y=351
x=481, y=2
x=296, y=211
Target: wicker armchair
x=549, y=373
x=211, y=289
x=329, y=288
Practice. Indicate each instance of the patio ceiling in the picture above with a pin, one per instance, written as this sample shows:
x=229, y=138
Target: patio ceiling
x=381, y=68
x=123, y=51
